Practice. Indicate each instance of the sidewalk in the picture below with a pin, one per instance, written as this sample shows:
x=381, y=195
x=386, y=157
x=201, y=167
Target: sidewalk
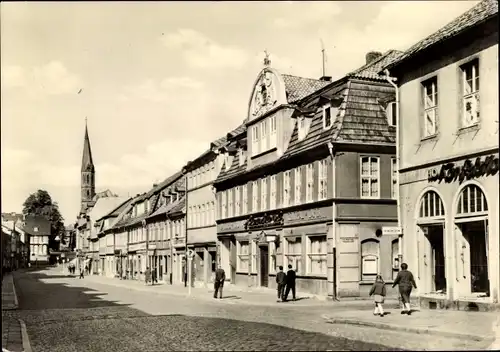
x=14, y=333
x=477, y=326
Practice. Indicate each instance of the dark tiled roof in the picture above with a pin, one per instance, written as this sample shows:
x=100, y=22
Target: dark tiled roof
x=165, y=183
x=479, y=13
x=300, y=87
x=177, y=207
x=373, y=69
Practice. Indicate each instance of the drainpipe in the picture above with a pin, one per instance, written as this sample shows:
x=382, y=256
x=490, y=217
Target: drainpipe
x=391, y=81
x=332, y=152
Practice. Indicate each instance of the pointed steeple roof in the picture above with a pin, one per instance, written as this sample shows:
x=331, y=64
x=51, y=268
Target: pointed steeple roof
x=87, y=162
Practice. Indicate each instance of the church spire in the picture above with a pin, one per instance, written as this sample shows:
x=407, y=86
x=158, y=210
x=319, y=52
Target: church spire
x=87, y=162
x=88, y=173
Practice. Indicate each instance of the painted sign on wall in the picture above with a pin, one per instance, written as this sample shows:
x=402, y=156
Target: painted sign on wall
x=450, y=172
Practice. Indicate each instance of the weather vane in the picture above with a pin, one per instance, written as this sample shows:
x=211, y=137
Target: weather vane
x=267, y=61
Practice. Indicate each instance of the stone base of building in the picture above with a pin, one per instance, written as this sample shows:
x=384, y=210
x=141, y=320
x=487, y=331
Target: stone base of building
x=476, y=305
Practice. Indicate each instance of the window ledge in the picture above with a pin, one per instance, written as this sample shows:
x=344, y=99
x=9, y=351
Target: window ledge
x=431, y=137
x=264, y=153
x=472, y=128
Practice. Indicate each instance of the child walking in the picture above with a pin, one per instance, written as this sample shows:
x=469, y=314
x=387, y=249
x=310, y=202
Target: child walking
x=378, y=292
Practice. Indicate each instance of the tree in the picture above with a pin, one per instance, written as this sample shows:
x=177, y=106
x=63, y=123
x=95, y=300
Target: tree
x=40, y=204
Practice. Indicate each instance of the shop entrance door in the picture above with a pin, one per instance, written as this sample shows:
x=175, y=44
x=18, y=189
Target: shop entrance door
x=264, y=266
x=475, y=234
x=435, y=236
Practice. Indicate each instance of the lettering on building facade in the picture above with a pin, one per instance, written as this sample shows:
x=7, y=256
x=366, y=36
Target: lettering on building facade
x=469, y=170
x=234, y=226
x=263, y=221
x=321, y=214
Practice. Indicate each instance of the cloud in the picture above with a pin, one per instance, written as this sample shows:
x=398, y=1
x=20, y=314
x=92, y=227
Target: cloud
x=50, y=79
x=299, y=14
x=199, y=51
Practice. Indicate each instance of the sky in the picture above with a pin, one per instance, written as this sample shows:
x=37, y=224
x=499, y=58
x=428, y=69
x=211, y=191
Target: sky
x=159, y=81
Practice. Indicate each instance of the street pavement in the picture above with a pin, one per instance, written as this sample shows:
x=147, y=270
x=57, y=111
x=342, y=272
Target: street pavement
x=69, y=314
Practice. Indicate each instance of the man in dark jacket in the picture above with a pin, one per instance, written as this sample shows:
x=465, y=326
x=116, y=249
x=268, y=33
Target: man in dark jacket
x=220, y=277
x=405, y=281
x=281, y=283
x=290, y=282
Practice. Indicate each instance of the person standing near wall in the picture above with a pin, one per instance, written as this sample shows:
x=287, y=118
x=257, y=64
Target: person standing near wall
x=281, y=283
x=290, y=282
x=220, y=277
x=406, y=282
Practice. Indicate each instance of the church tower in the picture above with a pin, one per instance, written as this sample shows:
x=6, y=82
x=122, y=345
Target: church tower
x=88, y=173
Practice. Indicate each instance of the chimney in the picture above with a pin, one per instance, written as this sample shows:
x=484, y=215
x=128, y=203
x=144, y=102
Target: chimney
x=326, y=78
x=372, y=55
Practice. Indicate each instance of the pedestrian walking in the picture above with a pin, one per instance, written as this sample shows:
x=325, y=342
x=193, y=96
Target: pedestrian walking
x=81, y=273
x=405, y=281
x=290, y=282
x=147, y=275
x=281, y=283
x=379, y=292
x=220, y=277
x=154, y=278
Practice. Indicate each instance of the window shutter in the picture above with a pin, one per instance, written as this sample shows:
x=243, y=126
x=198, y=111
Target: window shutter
x=292, y=187
x=279, y=189
x=303, y=187
x=315, y=180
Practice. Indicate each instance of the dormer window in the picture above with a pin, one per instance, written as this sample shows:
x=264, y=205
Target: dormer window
x=391, y=112
x=303, y=127
x=241, y=157
x=327, y=117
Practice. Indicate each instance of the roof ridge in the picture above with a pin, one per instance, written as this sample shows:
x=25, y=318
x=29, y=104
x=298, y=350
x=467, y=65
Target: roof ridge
x=373, y=62
x=342, y=113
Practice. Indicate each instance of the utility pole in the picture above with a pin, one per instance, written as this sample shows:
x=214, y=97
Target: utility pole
x=186, y=224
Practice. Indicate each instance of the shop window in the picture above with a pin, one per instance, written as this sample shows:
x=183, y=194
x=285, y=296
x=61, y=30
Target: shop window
x=243, y=256
x=431, y=205
x=395, y=258
x=254, y=256
x=370, y=259
x=293, y=253
x=316, y=255
x=471, y=200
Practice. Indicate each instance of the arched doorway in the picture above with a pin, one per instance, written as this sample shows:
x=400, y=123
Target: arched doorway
x=431, y=243
x=472, y=220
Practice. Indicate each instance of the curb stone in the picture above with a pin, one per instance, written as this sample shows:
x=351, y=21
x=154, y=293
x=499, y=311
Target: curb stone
x=409, y=329
x=25, y=337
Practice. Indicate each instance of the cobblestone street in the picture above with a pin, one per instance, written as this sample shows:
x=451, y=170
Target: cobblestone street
x=68, y=314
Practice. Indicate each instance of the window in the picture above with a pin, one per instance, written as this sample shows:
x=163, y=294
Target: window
x=431, y=205
x=286, y=188
x=263, y=194
x=241, y=157
x=298, y=185
x=471, y=200
x=369, y=259
x=237, y=202
x=255, y=196
x=322, y=179
x=244, y=197
x=212, y=212
x=309, y=182
x=255, y=140
x=272, y=132
x=301, y=121
x=293, y=253
x=35, y=229
x=327, y=117
x=243, y=256
x=264, y=142
x=392, y=114
x=430, y=106
x=370, y=177
x=272, y=199
x=470, y=83
x=316, y=255
x=224, y=205
x=394, y=178
x=230, y=203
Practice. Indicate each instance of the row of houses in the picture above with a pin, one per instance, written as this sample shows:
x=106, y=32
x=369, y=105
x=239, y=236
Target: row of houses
x=346, y=179
x=25, y=241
